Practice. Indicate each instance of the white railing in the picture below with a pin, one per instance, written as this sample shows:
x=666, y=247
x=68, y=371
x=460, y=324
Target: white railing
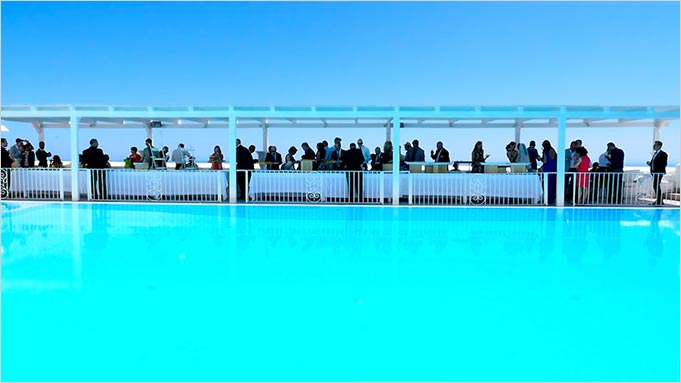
x=318, y=187
x=156, y=185
x=116, y=184
x=357, y=187
x=613, y=189
x=33, y=183
x=454, y=188
x=376, y=187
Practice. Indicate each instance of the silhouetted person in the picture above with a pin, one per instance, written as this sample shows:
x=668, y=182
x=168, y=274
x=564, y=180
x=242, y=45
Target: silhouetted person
x=353, y=161
x=94, y=159
x=244, y=161
x=42, y=155
x=658, y=168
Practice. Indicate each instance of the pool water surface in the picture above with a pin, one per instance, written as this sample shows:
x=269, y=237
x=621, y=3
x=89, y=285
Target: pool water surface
x=136, y=292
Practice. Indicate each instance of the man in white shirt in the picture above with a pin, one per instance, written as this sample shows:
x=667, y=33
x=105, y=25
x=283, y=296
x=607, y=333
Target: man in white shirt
x=178, y=156
x=603, y=160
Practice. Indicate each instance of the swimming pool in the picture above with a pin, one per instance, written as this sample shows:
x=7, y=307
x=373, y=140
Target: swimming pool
x=94, y=292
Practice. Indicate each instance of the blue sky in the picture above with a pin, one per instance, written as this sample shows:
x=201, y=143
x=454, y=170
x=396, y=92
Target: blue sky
x=344, y=54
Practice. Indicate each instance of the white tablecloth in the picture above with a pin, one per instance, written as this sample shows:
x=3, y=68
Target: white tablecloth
x=334, y=184
x=123, y=182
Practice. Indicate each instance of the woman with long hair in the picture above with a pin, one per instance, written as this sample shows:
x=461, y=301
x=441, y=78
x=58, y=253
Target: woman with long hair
x=216, y=159
x=478, y=157
x=583, y=163
x=290, y=161
x=549, y=159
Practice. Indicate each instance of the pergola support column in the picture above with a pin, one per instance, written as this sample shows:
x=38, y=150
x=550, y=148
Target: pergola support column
x=560, y=152
x=231, y=153
x=396, y=159
x=657, y=129
x=518, y=126
x=149, y=130
x=41, y=131
x=265, y=137
x=75, y=160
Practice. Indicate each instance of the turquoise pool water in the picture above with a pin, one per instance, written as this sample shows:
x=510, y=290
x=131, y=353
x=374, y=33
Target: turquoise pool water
x=279, y=293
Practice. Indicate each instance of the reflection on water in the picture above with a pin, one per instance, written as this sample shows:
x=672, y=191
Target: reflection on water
x=172, y=292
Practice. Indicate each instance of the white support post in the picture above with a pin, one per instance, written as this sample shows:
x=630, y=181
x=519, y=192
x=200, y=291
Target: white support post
x=75, y=160
x=388, y=133
x=150, y=131
x=231, y=153
x=265, y=138
x=41, y=131
x=396, y=160
x=518, y=126
x=657, y=129
x=560, y=151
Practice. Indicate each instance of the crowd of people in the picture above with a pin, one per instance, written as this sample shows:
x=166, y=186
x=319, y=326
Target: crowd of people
x=357, y=157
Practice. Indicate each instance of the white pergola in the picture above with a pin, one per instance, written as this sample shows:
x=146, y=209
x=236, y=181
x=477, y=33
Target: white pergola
x=77, y=118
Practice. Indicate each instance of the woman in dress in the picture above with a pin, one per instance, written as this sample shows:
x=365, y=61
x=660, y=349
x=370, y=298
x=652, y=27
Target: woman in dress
x=216, y=159
x=28, y=156
x=132, y=158
x=511, y=152
x=583, y=163
x=549, y=160
x=319, y=157
x=387, y=155
x=290, y=160
x=56, y=162
x=523, y=155
x=478, y=157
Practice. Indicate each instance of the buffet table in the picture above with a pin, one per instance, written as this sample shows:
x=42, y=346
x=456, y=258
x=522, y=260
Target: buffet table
x=121, y=183
x=335, y=185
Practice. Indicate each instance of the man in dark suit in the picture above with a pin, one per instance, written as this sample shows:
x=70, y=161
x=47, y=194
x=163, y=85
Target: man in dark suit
x=419, y=154
x=338, y=155
x=658, y=168
x=616, y=157
x=353, y=160
x=93, y=157
x=244, y=161
x=273, y=158
x=441, y=155
x=42, y=155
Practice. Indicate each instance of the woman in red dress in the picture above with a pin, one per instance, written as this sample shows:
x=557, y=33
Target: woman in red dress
x=583, y=164
x=216, y=159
